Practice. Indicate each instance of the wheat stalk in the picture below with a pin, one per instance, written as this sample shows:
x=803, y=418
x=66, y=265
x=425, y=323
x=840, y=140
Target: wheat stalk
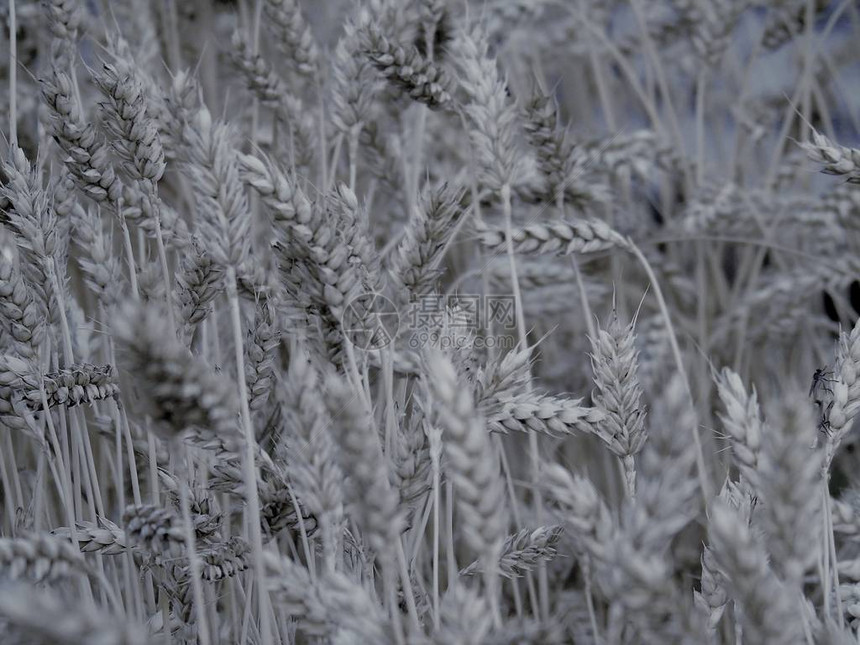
x=195, y=444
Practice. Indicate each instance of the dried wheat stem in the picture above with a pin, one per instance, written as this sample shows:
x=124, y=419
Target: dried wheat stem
x=62, y=454
x=534, y=448
x=194, y=566
x=174, y=50
x=64, y=322
x=408, y=592
x=162, y=258
x=310, y=452
x=662, y=83
x=583, y=295
x=435, y=439
x=704, y=480
x=11, y=502
x=129, y=252
x=589, y=599
x=830, y=552
x=249, y=466
x=13, y=75
x=82, y=437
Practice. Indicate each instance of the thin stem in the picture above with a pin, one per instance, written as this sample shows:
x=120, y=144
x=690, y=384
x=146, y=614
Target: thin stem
x=353, y=155
x=250, y=468
x=534, y=448
x=419, y=154
x=676, y=351
x=132, y=461
x=174, y=52
x=407, y=587
x=40, y=492
x=13, y=75
x=491, y=581
x=630, y=73
x=162, y=255
x=69, y=505
x=830, y=547
x=8, y=449
x=324, y=170
x=390, y=590
x=129, y=251
x=303, y=534
x=662, y=82
x=153, y=468
x=436, y=522
x=589, y=600
x=191, y=548
x=255, y=49
x=82, y=437
x=7, y=492
x=515, y=511
x=580, y=284
x=121, y=420
x=700, y=125
x=449, y=534
x=335, y=161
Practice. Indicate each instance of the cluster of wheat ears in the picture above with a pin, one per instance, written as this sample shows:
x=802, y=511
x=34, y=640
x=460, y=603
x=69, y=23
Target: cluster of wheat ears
x=429, y=321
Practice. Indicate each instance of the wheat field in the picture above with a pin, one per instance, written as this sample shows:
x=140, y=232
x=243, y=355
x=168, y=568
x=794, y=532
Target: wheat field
x=429, y=322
